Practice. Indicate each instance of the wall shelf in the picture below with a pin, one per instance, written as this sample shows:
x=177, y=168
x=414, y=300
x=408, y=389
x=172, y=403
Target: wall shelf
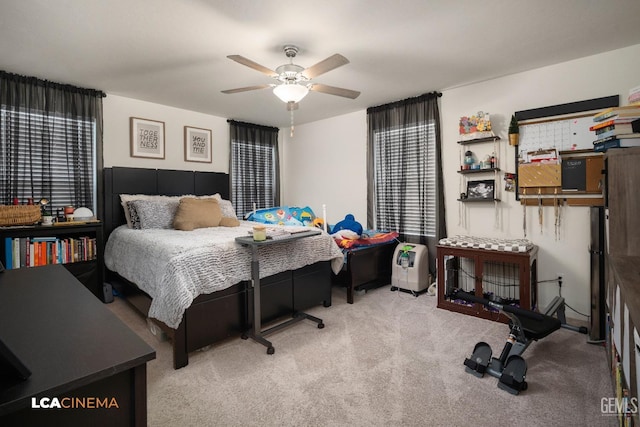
x=479, y=140
x=477, y=200
x=468, y=171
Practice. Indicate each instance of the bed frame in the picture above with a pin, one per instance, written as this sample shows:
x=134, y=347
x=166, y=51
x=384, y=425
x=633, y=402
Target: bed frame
x=220, y=315
x=366, y=268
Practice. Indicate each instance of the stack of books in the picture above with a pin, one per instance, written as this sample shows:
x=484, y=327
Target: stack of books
x=617, y=127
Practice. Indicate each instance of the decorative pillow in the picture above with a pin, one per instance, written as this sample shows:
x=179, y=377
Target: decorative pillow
x=195, y=213
x=277, y=215
x=304, y=215
x=155, y=213
x=227, y=221
x=225, y=206
x=133, y=220
x=124, y=198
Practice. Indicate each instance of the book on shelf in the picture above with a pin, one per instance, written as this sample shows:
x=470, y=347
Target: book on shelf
x=614, y=137
x=616, y=143
x=615, y=131
x=629, y=126
x=36, y=251
x=626, y=111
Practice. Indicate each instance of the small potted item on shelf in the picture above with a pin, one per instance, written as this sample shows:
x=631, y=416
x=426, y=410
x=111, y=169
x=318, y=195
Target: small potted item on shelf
x=514, y=131
x=468, y=161
x=47, y=219
x=68, y=213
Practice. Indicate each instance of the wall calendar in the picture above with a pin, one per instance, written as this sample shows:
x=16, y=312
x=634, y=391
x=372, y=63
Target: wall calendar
x=571, y=133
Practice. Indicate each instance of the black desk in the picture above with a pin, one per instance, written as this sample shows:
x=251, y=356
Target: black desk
x=75, y=348
x=257, y=333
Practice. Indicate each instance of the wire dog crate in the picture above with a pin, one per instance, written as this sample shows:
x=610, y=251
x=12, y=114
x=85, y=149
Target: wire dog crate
x=503, y=276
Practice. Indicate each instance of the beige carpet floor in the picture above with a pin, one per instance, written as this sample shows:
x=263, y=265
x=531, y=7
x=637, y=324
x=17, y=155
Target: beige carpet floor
x=390, y=359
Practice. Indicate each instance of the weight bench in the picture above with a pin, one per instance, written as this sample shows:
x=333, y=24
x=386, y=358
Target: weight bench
x=525, y=326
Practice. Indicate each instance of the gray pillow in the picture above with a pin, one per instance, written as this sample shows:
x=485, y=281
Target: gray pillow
x=155, y=213
x=225, y=206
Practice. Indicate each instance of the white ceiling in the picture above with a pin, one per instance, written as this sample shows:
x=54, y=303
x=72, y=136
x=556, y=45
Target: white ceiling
x=173, y=52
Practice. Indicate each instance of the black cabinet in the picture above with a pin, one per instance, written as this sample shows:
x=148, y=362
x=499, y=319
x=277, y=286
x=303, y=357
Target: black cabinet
x=79, y=247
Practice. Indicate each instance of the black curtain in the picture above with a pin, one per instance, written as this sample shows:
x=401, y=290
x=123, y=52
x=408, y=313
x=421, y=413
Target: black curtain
x=50, y=142
x=405, y=190
x=254, y=166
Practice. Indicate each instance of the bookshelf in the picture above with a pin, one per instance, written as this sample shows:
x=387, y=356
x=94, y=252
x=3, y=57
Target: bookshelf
x=79, y=247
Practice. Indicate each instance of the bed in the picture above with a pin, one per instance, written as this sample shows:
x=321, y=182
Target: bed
x=367, y=262
x=213, y=308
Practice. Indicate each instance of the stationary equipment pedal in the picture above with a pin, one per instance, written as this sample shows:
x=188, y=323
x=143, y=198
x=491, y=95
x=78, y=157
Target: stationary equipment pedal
x=477, y=364
x=513, y=375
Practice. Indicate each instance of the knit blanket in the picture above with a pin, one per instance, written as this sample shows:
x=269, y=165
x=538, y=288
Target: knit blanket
x=174, y=266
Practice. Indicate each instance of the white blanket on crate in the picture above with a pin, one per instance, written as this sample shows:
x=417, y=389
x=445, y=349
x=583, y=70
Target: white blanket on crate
x=174, y=267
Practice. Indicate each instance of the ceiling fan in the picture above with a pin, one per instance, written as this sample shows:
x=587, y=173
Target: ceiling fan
x=295, y=81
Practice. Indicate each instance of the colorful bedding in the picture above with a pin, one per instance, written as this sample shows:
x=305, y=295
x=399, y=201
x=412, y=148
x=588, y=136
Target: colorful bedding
x=368, y=238
x=283, y=215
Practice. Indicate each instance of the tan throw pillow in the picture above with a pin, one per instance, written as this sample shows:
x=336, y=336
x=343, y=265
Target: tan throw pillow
x=228, y=221
x=195, y=213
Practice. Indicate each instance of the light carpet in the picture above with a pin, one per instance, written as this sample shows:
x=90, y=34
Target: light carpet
x=390, y=359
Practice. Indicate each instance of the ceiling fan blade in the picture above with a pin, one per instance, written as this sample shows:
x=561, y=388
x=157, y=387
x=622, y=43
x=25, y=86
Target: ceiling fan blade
x=292, y=106
x=328, y=64
x=245, y=89
x=249, y=63
x=332, y=90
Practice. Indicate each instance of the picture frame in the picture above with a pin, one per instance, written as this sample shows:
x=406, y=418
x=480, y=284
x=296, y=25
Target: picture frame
x=197, y=145
x=147, y=138
x=481, y=190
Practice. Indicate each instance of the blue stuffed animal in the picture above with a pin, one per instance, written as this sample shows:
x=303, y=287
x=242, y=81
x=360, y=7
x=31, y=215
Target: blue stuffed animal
x=348, y=223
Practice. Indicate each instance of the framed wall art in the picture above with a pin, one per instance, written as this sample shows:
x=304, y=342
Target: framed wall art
x=147, y=138
x=197, y=145
x=484, y=189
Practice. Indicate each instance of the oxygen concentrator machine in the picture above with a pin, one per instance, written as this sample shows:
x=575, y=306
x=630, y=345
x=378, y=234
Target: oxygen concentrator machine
x=410, y=268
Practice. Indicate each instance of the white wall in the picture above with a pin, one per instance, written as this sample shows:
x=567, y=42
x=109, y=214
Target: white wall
x=118, y=110
x=326, y=163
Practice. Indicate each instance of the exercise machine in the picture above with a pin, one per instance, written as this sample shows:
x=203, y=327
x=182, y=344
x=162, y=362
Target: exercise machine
x=525, y=326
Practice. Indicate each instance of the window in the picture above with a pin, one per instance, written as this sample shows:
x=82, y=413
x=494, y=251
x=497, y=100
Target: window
x=50, y=143
x=254, y=167
x=405, y=180
x=47, y=156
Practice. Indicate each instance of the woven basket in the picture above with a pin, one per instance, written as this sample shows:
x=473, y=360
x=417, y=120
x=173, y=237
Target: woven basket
x=19, y=215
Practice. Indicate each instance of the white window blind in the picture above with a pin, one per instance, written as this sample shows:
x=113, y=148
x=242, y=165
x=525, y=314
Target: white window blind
x=47, y=156
x=405, y=177
x=254, y=176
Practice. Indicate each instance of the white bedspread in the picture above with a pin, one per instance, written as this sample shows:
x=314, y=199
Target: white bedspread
x=174, y=267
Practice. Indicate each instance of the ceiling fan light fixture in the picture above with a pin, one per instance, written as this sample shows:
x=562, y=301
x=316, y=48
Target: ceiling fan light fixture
x=292, y=92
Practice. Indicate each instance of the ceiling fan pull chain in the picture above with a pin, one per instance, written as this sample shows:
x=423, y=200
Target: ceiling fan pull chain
x=291, y=133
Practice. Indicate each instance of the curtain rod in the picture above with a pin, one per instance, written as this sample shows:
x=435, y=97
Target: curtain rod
x=46, y=83
x=252, y=125
x=407, y=101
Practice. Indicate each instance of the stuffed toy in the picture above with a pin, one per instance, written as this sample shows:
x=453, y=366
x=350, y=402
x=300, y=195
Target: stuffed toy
x=348, y=223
